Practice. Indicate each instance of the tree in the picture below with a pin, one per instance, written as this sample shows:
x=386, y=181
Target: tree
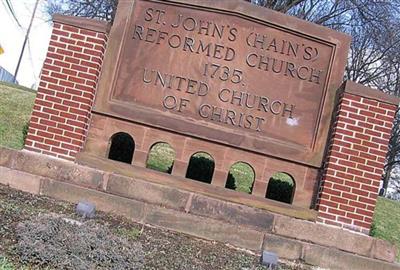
x=94, y=9
x=393, y=158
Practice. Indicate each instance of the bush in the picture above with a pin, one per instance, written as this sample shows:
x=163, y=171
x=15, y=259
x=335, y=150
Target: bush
x=49, y=241
x=161, y=158
x=280, y=190
x=200, y=168
x=240, y=177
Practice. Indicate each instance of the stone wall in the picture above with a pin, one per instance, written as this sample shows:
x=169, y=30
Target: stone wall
x=178, y=209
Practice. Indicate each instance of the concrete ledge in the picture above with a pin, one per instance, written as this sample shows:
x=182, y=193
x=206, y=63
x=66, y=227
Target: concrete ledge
x=383, y=250
x=84, y=23
x=58, y=169
x=103, y=201
x=325, y=257
x=332, y=237
x=232, y=213
x=219, y=193
x=20, y=180
x=6, y=157
x=205, y=228
x=335, y=259
x=147, y=192
x=366, y=92
x=335, y=237
x=166, y=206
x=166, y=218
x=285, y=248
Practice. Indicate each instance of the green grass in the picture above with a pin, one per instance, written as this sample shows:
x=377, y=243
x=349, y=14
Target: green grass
x=241, y=177
x=131, y=233
x=161, y=157
x=386, y=224
x=5, y=264
x=16, y=104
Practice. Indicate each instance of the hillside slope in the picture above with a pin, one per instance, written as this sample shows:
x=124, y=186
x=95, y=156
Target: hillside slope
x=16, y=105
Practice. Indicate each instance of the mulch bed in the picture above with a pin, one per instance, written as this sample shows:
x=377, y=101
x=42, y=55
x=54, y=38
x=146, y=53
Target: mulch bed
x=162, y=249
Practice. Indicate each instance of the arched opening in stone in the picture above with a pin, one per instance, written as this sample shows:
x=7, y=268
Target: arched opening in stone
x=241, y=177
x=122, y=147
x=281, y=187
x=201, y=167
x=161, y=157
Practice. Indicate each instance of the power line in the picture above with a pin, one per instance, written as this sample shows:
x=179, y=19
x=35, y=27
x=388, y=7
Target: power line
x=26, y=39
x=11, y=9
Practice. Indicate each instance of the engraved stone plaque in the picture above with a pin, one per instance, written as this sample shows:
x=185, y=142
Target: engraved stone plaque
x=224, y=71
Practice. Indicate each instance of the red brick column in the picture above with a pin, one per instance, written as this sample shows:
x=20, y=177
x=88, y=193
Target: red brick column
x=68, y=82
x=356, y=156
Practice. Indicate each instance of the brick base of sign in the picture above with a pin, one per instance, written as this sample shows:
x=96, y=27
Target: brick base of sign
x=64, y=100
x=356, y=157
x=178, y=209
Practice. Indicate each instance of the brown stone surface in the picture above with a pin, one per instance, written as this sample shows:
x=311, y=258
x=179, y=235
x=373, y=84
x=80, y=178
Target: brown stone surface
x=323, y=235
x=383, y=250
x=338, y=260
x=20, y=180
x=6, y=157
x=232, y=213
x=84, y=23
x=205, y=228
x=215, y=219
x=58, y=169
x=367, y=92
x=264, y=167
x=147, y=192
x=103, y=201
x=285, y=248
x=288, y=101
x=195, y=186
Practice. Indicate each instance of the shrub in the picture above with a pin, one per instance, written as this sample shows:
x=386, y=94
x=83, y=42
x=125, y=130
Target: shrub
x=51, y=241
x=200, y=168
x=280, y=190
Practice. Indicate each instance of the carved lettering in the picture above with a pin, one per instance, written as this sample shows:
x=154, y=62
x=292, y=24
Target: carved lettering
x=217, y=80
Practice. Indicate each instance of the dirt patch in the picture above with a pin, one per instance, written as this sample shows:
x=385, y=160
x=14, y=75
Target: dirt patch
x=162, y=249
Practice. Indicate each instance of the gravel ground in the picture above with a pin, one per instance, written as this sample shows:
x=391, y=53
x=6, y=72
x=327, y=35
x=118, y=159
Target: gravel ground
x=162, y=249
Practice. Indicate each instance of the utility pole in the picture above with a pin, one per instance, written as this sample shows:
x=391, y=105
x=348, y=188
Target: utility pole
x=26, y=39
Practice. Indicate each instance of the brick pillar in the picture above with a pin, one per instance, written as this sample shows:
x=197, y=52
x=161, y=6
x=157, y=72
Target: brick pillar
x=356, y=156
x=68, y=81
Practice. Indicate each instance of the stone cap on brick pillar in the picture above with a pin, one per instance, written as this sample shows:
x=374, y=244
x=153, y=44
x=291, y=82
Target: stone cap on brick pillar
x=367, y=92
x=83, y=23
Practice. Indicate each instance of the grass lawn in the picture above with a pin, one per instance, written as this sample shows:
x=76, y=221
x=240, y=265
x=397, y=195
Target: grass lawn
x=15, y=109
x=387, y=222
x=5, y=264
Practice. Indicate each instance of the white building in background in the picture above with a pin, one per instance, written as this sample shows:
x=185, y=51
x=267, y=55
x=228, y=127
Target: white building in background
x=6, y=76
x=12, y=36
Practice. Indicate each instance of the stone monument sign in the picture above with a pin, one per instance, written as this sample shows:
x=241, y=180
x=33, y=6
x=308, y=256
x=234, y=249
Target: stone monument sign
x=250, y=79
x=225, y=79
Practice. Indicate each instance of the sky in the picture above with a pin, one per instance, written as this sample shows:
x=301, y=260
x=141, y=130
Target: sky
x=12, y=38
